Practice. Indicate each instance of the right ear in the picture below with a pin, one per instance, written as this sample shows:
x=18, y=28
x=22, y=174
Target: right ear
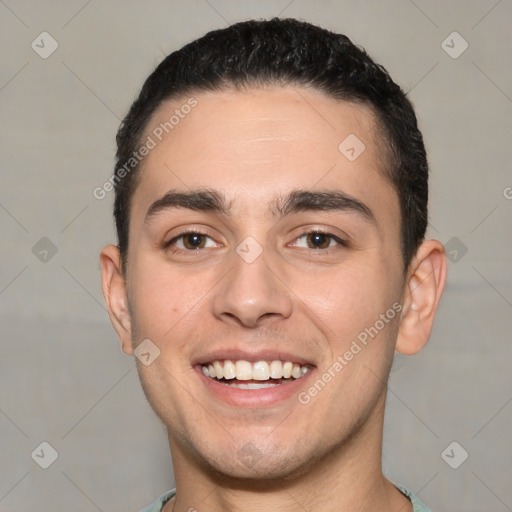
x=113, y=285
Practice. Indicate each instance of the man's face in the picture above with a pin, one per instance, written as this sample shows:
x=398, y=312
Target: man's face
x=283, y=294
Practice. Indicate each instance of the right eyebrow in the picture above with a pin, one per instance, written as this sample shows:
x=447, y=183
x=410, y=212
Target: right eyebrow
x=198, y=200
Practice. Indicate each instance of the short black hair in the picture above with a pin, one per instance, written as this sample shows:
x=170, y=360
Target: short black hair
x=284, y=52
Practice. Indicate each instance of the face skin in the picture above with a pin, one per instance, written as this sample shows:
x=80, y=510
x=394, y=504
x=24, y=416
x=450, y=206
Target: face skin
x=294, y=302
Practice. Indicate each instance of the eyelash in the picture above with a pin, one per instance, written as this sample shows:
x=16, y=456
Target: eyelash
x=337, y=239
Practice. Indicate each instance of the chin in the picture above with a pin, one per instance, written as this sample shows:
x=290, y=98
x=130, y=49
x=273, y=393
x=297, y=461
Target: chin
x=261, y=467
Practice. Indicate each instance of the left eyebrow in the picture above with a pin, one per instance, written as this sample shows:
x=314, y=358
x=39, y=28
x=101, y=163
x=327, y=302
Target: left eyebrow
x=209, y=200
x=330, y=200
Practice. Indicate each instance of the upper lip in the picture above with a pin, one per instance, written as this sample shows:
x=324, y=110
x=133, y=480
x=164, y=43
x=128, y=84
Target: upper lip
x=251, y=356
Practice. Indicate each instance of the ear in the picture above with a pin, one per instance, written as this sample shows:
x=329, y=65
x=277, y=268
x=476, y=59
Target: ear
x=423, y=288
x=114, y=291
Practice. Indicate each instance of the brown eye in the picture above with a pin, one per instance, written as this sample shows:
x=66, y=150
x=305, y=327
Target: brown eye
x=318, y=240
x=189, y=241
x=193, y=241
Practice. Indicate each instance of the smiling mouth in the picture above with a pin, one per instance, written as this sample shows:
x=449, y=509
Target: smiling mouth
x=258, y=375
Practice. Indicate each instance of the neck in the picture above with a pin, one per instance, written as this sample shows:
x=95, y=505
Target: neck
x=349, y=478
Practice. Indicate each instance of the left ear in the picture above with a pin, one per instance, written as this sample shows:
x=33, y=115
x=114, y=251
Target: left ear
x=424, y=285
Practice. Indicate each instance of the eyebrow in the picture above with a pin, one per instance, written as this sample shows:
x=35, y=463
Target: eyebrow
x=208, y=200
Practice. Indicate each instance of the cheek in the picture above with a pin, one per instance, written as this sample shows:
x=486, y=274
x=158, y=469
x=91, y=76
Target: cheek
x=161, y=297
x=349, y=303
x=342, y=297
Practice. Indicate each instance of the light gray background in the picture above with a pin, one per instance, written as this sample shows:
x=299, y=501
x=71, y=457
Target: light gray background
x=63, y=377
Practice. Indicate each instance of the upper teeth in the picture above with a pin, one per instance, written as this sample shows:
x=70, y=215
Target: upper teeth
x=261, y=370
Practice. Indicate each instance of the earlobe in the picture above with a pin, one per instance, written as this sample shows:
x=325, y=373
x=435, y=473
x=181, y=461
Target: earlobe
x=114, y=291
x=424, y=286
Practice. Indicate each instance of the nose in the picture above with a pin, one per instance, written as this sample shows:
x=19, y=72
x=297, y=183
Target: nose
x=252, y=293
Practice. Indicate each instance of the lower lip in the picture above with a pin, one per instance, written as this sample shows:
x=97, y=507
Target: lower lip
x=265, y=397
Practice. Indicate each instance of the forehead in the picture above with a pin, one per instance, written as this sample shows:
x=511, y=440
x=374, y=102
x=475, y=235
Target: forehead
x=257, y=143
x=280, y=116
